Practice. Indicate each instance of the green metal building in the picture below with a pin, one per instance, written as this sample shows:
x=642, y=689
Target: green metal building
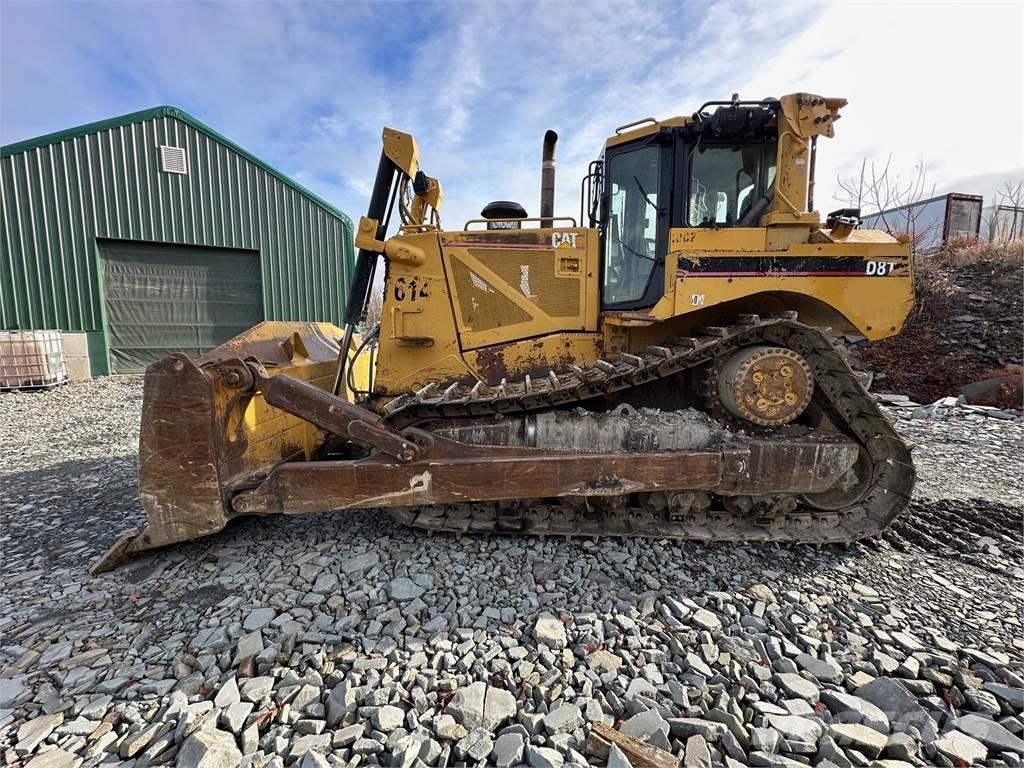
x=153, y=233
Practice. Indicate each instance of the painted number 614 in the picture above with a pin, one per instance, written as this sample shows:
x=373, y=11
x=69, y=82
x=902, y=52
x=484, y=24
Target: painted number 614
x=879, y=268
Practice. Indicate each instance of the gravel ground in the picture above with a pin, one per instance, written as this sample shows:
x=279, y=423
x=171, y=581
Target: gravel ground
x=342, y=639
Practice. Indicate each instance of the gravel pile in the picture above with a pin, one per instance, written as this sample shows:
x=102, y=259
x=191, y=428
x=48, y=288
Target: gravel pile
x=343, y=640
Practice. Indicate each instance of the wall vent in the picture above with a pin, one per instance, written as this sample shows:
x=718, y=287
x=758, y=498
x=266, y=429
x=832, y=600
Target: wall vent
x=172, y=159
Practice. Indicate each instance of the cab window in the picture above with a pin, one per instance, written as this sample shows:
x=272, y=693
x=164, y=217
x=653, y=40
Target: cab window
x=726, y=181
x=631, y=229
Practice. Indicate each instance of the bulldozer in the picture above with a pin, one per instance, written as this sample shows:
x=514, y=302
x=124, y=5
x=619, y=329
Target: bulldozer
x=662, y=366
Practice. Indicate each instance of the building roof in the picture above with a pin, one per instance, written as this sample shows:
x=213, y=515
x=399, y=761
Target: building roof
x=177, y=114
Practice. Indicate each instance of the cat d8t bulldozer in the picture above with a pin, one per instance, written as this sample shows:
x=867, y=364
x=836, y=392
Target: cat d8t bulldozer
x=663, y=366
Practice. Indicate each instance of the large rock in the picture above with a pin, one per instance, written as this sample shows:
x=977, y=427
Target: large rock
x=831, y=754
x=403, y=589
x=603, y=661
x=564, y=718
x=989, y=733
x=314, y=760
x=233, y=717
x=508, y=750
x=209, y=748
x=901, y=746
x=543, y=757
x=847, y=708
x=475, y=745
x=764, y=740
x=705, y=619
x=11, y=689
x=825, y=670
x=258, y=619
x=797, y=686
x=482, y=706
x=417, y=748
x=685, y=727
x=342, y=701
x=348, y=735
x=257, y=689
x=228, y=694
x=961, y=748
x=1012, y=696
x=358, y=565
x=311, y=742
x=640, y=687
x=648, y=726
x=55, y=758
x=899, y=705
x=617, y=758
x=34, y=732
x=697, y=754
x=388, y=718
x=446, y=728
x=859, y=737
x=249, y=645
x=796, y=728
x=134, y=743
x=764, y=760
x=550, y=630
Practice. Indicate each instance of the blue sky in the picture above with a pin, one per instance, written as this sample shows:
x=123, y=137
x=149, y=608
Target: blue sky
x=309, y=85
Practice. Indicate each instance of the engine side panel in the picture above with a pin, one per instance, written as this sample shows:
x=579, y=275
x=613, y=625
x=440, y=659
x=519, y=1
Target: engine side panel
x=865, y=279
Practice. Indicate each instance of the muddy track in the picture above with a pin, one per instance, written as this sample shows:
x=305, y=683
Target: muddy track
x=888, y=479
x=953, y=528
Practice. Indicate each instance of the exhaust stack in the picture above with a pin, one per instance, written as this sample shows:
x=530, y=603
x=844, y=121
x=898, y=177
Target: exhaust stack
x=547, y=180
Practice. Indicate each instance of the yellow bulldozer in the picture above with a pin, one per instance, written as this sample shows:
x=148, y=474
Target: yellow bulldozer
x=662, y=366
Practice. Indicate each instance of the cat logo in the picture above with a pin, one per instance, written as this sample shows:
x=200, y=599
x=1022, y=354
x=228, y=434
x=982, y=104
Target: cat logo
x=563, y=239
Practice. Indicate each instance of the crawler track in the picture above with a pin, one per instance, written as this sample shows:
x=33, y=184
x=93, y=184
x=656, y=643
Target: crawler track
x=838, y=394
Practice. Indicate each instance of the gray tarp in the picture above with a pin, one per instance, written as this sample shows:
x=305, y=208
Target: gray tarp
x=163, y=298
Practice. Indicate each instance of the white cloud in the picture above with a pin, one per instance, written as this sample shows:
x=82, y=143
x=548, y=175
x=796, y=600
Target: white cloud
x=941, y=83
x=308, y=86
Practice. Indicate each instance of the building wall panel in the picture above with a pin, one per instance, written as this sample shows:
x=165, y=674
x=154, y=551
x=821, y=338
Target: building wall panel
x=60, y=194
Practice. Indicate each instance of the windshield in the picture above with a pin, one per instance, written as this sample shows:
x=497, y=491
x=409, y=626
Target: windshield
x=726, y=181
x=631, y=233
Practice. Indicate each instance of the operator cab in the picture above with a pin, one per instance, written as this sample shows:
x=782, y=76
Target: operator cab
x=709, y=170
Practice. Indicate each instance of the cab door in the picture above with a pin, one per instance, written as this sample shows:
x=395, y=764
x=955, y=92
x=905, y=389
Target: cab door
x=637, y=202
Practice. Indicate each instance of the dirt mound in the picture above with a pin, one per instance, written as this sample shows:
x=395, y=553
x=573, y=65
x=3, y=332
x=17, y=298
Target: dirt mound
x=967, y=324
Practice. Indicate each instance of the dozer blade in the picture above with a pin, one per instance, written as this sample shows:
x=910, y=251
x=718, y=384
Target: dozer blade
x=238, y=432
x=202, y=425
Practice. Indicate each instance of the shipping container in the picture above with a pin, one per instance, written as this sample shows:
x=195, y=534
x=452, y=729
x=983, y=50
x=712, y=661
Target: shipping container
x=932, y=222
x=1003, y=222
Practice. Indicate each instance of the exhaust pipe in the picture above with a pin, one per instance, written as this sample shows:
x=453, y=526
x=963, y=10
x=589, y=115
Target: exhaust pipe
x=547, y=180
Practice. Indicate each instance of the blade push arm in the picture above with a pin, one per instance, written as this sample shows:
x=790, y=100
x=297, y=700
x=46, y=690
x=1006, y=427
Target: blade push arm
x=398, y=166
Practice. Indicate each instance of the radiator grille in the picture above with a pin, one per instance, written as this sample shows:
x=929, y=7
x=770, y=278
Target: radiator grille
x=532, y=273
x=481, y=306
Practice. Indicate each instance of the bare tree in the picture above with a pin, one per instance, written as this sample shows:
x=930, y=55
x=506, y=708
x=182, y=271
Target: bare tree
x=1010, y=196
x=374, y=307
x=893, y=195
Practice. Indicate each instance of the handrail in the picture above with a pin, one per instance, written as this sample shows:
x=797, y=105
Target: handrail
x=738, y=103
x=525, y=218
x=641, y=121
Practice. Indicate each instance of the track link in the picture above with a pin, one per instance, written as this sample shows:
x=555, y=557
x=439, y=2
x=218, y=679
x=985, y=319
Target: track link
x=838, y=393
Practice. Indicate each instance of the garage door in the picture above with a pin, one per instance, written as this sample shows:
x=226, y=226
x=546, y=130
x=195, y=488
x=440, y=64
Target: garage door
x=164, y=298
